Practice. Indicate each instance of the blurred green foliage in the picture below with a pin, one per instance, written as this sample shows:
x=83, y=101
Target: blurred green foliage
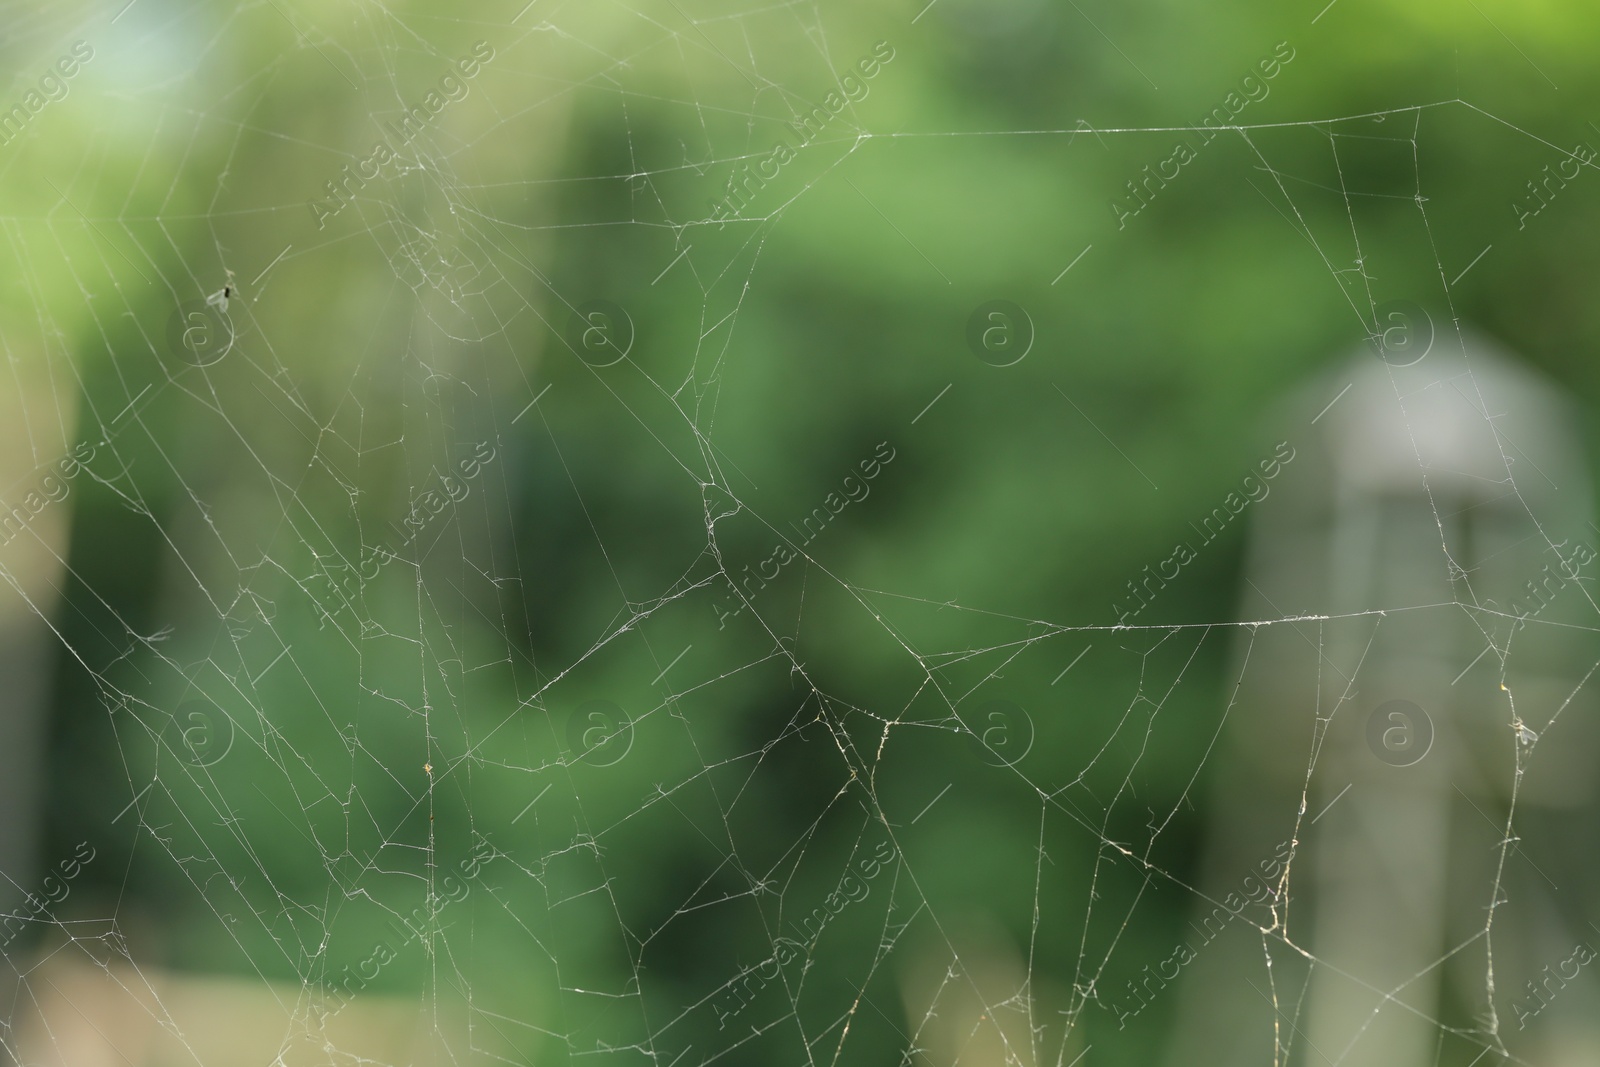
x=233, y=500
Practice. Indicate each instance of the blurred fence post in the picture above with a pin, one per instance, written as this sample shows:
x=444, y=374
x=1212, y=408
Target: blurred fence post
x=36, y=424
x=1436, y=525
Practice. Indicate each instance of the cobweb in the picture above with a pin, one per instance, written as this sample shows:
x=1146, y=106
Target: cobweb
x=448, y=667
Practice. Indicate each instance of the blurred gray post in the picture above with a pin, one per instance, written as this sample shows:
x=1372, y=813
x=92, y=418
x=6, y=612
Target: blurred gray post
x=1432, y=504
x=36, y=424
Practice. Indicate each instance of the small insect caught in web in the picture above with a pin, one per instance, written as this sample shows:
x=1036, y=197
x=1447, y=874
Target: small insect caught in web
x=220, y=298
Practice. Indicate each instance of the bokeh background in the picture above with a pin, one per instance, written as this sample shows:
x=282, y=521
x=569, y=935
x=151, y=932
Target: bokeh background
x=494, y=598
